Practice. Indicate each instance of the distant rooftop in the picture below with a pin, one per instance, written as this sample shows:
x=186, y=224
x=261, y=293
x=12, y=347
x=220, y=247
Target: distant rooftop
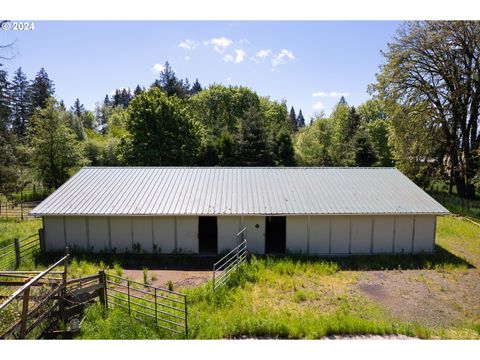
x=237, y=191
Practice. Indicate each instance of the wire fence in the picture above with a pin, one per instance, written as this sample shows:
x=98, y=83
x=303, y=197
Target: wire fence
x=223, y=268
x=12, y=255
x=18, y=205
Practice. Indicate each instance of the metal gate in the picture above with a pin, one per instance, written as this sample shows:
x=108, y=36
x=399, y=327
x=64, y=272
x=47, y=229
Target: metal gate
x=230, y=263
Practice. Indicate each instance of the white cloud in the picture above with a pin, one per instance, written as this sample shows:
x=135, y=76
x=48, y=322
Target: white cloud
x=228, y=58
x=188, y=44
x=187, y=57
x=244, y=41
x=158, y=68
x=240, y=55
x=318, y=106
x=282, y=57
x=329, y=94
x=229, y=79
x=219, y=44
x=263, y=53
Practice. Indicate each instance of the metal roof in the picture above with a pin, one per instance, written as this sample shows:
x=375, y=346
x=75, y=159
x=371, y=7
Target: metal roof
x=237, y=191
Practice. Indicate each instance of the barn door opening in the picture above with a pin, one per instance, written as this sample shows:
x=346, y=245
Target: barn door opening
x=275, y=234
x=207, y=234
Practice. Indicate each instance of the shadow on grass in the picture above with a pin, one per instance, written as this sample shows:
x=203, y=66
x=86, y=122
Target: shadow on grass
x=440, y=259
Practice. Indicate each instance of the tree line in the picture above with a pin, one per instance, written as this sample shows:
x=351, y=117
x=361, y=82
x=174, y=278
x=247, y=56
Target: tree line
x=422, y=118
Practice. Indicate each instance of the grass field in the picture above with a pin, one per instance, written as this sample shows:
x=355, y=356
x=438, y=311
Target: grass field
x=13, y=228
x=425, y=296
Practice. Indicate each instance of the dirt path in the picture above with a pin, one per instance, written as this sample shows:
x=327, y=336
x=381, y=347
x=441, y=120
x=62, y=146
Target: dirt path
x=179, y=278
x=428, y=297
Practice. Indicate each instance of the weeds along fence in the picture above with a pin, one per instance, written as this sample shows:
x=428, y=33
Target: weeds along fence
x=165, y=309
x=12, y=255
x=34, y=302
x=231, y=262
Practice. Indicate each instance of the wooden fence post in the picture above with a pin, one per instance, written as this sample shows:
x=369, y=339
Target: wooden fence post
x=103, y=292
x=17, y=252
x=63, y=292
x=23, y=325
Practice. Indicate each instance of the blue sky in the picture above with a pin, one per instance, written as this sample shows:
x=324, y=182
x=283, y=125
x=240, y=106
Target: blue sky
x=284, y=60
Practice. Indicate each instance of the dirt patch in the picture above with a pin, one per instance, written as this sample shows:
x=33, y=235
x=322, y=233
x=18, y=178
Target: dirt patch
x=429, y=297
x=179, y=278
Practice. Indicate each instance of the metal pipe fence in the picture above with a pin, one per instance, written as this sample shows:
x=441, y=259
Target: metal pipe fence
x=227, y=265
x=164, y=308
x=33, y=302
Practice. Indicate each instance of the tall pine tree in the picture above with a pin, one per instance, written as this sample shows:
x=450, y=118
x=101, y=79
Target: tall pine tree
x=196, y=87
x=293, y=119
x=252, y=140
x=20, y=103
x=300, y=122
x=41, y=89
x=170, y=83
x=77, y=108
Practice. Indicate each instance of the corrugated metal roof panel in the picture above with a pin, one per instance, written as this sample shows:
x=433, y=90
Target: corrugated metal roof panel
x=237, y=191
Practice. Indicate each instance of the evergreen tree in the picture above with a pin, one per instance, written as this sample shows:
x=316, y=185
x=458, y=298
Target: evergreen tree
x=77, y=108
x=342, y=101
x=252, y=147
x=121, y=97
x=41, y=89
x=138, y=90
x=5, y=98
x=20, y=103
x=106, y=101
x=196, y=87
x=170, y=84
x=364, y=152
x=293, y=119
x=8, y=163
x=352, y=124
x=300, y=122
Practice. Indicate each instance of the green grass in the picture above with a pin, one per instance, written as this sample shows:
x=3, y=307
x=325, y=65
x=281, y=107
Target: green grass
x=12, y=228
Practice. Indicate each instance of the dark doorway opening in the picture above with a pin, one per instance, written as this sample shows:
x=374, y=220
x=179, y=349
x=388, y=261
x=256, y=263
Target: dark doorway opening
x=275, y=234
x=207, y=234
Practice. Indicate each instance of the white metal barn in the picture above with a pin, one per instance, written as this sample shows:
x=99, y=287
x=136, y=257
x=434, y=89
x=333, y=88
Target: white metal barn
x=328, y=211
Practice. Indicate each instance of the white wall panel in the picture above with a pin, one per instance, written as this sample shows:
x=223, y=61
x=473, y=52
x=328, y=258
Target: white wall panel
x=228, y=228
x=319, y=235
x=98, y=233
x=383, y=234
x=164, y=233
x=403, y=234
x=121, y=233
x=76, y=232
x=143, y=233
x=54, y=233
x=340, y=234
x=424, y=240
x=297, y=234
x=187, y=234
x=256, y=236
x=361, y=234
